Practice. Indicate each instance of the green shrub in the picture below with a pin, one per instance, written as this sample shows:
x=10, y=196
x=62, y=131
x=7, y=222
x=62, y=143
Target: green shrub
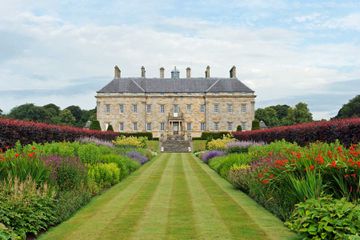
x=325, y=218
x=255, y=125
x=7, y=234
x=104, y=174
x=89, y=153
x=110, y=128
x=213, y=135
x=131, y=141
x=219, y=143
x=26, y=208
x=239, y=128
x=147, y=135
x=95, y=125
x=223, y=164
x=121, y=161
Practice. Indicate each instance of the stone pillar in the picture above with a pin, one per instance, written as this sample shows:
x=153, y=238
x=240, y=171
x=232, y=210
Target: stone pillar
x=207, y=72
x=233, y=72
x=117, y=72
x=162, y=72
x=188, y=72
x=143, y=72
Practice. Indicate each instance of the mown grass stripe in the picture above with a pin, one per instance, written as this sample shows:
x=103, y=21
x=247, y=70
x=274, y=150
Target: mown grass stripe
x=153, y=224
x=268, y=223
x=181, y=224
x=209, y=222
x=126, y=220
x=100, y=211
x=239, y=223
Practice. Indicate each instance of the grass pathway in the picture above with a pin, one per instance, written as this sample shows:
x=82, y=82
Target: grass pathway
x=173, y=197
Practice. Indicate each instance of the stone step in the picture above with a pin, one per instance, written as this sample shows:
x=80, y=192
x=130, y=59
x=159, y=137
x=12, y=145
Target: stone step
x=175, y=146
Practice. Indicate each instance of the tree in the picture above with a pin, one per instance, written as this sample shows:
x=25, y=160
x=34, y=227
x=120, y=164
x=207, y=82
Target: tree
x=77, y=113
x=95, y=125
x=350, y=109
x=255, y=125
x=302, y=113
x=30, y=112
x=110, y=128
x=65, y=117
x=268, y=115
x=281, y=111
x=1, y=112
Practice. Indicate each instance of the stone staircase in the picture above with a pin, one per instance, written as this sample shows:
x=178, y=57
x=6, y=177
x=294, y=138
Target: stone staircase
x=176, y=146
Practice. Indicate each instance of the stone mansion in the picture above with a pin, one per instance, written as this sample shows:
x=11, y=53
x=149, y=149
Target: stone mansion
x=175, y=106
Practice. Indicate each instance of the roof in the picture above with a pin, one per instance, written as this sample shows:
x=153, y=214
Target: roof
x=170, y=85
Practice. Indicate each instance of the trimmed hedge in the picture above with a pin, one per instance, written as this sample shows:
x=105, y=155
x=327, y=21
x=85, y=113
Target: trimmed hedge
x=347, y=131
x=212, y=135
x=138, y=134
x=28, y=132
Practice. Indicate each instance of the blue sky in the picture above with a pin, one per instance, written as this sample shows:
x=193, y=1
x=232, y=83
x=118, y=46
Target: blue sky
x=287, y=51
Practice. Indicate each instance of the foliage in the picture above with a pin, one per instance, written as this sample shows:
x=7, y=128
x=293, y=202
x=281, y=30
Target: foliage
x=110, y=128
x=25, y=207
x=239, y=128
x=199, y=145
x=219, y=143
x=65, y=117
x=206, y=156
x=223, y=164
x=347, y=131
x=147, y=135
x=350, y=109
x=7, y=234
x=89, y=153
x=325, y=218
x=131, y=141
x=241, y=147
x=96, y=141
x=212, y=135
x=104, y=174
x=28, y=132
x=255, y=125
x=95, y=125
x=281, y=115
x=137, y=157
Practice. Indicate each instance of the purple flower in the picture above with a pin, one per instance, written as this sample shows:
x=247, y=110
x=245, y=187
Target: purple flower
x=211, y=154
x=243, y=144
x=137, y=157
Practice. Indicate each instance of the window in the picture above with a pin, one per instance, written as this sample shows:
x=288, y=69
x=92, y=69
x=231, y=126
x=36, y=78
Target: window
x=135, y=126
x=148, y=108
x=134, y=108
x=189, y=126
x=107, y=108
x=188, y=107
x=243, y=108
x=203, y=126
x=230, y=107
x=162, y=126
x=121, y=127
x=202, y=108
x=230, y=126
x=216, y=107
x=162, y=108
x=121, y=108
x=216, y=126
x=243, y=125
x=176, y=108
x=148, y=126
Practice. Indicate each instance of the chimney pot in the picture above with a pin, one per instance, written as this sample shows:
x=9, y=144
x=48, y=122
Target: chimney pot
x=117, y=72
x=162, y=72
x=233, y=72
x=188, y=72
x=207, y=72
x=143, y=72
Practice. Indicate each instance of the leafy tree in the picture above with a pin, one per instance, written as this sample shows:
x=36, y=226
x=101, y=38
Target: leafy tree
x=66, y=117
x=110, y=128
x=1, y=112
x=350, y=109
x=95, y=125
x=77, y=113
x=302, y=113
x=255, y=125
x=30, y=112
x=268, y=115
x=281, y=111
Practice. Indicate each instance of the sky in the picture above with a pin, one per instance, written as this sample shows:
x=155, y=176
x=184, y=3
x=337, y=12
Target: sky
x=62, y=52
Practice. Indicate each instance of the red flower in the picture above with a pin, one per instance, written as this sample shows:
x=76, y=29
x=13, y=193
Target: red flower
x=319, y=159
x=271, y=176
x=346, y=175
x=358, y=164
x=351, y=162
x=260, y=175
x=265, y=181
x=32, y=154
x=33, y=147
x=353, y=175
x=333, y=164
x=330, y=154
x=339, y=149
x=17, y=155
x=312, y=167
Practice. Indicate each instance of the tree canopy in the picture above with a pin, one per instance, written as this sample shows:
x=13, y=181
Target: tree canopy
x=350, y=109
x=280, y=115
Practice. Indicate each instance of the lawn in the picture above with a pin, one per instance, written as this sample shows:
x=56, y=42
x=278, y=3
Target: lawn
x=173, y=197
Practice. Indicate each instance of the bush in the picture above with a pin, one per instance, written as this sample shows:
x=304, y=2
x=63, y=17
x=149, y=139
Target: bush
x=7, y=234
x=110, y=128
x=325, y=218
x=134, y=142
x=95, y=125
x=125, y=164
x=223, y=164
x=104, y=174
x=239, y=128
x=89, y=153
x=347, y=131
x=241, y=147
x=220, y=143
x=26, y=208
x=212, y=135
x=27, y=132
x=255, y=125
x=137, y=157
x=147, y=135
x=206, y=156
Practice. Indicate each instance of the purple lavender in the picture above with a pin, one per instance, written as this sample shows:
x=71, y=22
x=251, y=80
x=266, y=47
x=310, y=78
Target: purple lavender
x=137, y=157
x=211, y=154
x=97, y=141
x=243, y=144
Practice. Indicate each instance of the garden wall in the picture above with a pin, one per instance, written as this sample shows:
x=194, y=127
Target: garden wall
x=27, y=132
x=347, y=131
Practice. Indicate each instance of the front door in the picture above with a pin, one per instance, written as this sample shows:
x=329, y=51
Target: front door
x=176, y=128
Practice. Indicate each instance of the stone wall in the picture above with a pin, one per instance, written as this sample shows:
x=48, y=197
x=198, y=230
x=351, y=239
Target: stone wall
x=114, y=117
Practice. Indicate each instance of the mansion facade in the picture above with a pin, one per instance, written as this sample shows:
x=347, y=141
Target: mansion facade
x=175, y=106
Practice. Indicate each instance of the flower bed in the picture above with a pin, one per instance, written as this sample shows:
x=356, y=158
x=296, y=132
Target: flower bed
x=27, y=132
x=44, y=184
x=347, y=131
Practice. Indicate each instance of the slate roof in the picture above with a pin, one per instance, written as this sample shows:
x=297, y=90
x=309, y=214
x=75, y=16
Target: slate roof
x=170, y=85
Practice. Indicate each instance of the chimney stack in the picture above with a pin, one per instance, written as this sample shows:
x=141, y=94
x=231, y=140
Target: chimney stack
x=117, y=72
x=188, y=72
x=143, y=72
x=233, y=72
x=162, y=72
x=207, y=72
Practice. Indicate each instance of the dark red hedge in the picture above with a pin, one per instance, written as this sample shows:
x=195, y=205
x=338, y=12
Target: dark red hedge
x=27, y=132
x=347, y=131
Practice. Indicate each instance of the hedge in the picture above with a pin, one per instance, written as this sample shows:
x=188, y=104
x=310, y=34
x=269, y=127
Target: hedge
x=137, y=134
x=28, y=132
x=347, y=131
x=211, y=135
